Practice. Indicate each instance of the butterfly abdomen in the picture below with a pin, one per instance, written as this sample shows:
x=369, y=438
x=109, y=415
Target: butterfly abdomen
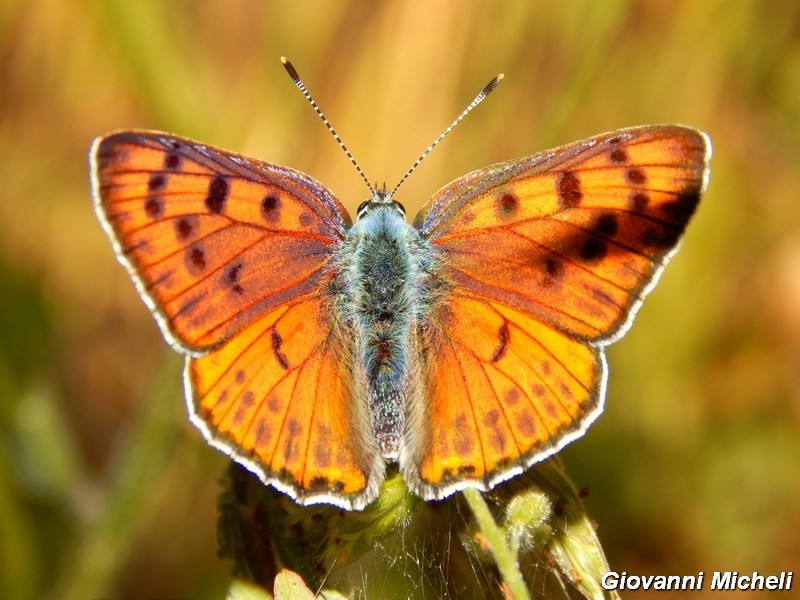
x=381, y=302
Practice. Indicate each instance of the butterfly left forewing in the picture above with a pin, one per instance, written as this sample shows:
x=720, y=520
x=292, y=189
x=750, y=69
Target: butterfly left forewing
x=544, y=260
x=211, y=238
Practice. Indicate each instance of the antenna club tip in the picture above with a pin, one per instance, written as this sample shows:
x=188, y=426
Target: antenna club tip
x=290, y=69
x=499, y=75
x=492, y=84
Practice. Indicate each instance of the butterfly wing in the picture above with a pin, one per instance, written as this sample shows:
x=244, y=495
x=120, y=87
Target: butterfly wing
x=546, y=260
x=212, y=239
x=233, y=256
x=277, y=396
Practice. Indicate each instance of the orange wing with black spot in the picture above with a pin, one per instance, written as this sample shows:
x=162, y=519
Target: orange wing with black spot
x=234, y=256
x=547, y=259
x=279, y=396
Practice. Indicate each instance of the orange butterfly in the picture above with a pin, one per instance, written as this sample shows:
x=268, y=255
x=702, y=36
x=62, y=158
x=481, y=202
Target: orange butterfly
x=465, y=347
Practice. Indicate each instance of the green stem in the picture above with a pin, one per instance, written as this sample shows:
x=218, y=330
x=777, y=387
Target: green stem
x=503, y=556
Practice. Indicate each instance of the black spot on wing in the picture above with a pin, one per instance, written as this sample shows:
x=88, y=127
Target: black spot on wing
x=196, y=259
x=553, y=271
x=636, y=176
x=232, y=278
x=638, y=201
x=569, y=190
x=156, y=182
x=270, y=207
x=618, y=156
x=503, y=337
x=593, y=250
x=681, y=209
x=185, y=227
x=605, y=224
x=154, y=207
x=172, y=161
x=508, y=204
x=217, y=195
x=277, y=342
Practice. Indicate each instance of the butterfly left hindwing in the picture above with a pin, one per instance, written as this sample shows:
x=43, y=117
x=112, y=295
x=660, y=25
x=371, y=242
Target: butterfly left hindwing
x=280, y=398
x=233, y=257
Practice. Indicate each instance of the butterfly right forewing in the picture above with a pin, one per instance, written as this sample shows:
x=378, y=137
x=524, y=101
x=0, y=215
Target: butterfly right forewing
x=576, y=235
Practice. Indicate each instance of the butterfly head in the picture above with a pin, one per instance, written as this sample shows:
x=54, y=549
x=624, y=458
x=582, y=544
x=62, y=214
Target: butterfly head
x=380, y=198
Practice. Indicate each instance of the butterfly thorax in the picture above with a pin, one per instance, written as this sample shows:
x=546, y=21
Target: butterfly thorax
x=385, y=264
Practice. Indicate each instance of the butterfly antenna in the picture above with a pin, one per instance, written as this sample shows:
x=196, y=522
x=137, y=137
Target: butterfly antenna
x=302, y=87
x=478, y=99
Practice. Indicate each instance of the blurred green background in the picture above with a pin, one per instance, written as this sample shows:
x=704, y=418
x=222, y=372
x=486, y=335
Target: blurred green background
x=105, y=487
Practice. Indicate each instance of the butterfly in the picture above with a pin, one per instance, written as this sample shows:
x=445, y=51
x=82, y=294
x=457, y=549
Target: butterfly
x=465, y=347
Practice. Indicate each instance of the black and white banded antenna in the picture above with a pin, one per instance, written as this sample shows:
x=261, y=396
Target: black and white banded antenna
x=478, y=99
x=302, y=87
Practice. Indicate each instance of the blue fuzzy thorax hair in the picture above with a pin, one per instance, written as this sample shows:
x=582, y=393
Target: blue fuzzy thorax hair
x=385, y=266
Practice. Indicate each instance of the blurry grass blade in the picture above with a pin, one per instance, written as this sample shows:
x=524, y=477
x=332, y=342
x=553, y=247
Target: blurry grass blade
x=162, y=57
x=104, y=548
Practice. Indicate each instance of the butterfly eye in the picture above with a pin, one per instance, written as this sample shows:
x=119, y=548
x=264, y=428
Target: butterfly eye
x=363, y=208
x=368, y=205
